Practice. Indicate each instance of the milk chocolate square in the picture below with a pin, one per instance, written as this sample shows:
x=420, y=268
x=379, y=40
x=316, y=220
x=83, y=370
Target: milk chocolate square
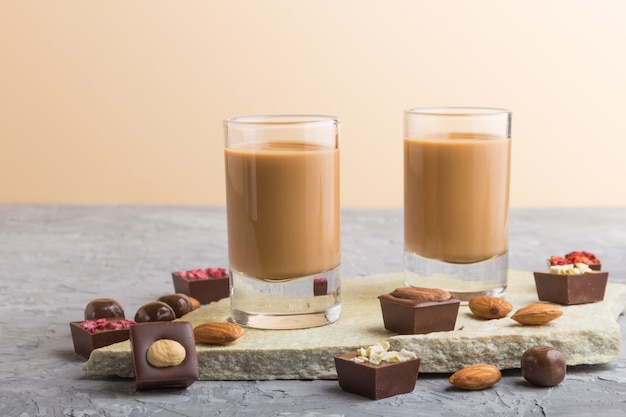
x=406, y=316
x=376, y=381
x=85, y=342
x=148, y=377
x=204, y=290
x=571, y=289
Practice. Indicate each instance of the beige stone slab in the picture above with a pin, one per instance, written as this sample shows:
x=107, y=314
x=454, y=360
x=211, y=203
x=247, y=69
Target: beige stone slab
x=586, y=334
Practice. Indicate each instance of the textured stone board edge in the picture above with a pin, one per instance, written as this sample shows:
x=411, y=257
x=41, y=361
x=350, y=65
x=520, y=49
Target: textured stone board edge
x=112, y=360
x=445, y=355
x=249, y=365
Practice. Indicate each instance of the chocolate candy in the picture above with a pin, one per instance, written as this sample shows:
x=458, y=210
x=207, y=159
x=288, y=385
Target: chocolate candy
x=406, y=316
x=148, y=376
x=571, y=289
x=206, y=290
x=154, y=311
x=102, y=308
x=180, y=303
x=543, y=366
x=320, y=286
x=85, y=341
x=376, y=381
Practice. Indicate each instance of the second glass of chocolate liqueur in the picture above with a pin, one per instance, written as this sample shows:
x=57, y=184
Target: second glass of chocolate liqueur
x=456, y=199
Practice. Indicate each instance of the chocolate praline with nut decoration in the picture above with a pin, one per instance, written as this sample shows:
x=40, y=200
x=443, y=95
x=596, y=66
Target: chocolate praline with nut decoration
x=376, y=380
x=413, y=310
x=167, y=373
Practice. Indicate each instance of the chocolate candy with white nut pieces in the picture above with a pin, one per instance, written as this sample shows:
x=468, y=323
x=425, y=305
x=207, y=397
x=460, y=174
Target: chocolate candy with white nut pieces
x=149, y=377
x=406, y=316
x=543, y=365
x=376, y=381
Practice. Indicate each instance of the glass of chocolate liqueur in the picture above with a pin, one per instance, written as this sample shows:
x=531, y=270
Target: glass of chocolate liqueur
x=282, y=202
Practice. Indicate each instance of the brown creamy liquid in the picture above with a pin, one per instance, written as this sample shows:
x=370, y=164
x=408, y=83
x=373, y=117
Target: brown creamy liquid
x=456, y=197
x=283, y=209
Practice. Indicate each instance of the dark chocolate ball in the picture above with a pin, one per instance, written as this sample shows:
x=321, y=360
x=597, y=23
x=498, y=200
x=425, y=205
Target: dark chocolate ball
x=543, y=366
x=154, y=311
x=103, y=308
x=180, y=303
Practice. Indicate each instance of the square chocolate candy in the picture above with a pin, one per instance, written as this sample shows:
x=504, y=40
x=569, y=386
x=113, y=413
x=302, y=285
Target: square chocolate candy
x=405, y=316
x=376, y=381
x=85, y=342
x=320, y=286
x=205, y=290
x=571, y=289
x=148, y=376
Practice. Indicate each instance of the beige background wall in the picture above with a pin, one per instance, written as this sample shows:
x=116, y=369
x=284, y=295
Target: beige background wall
x=122, y=101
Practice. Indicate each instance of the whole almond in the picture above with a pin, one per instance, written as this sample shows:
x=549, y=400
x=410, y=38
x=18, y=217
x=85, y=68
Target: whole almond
x=217, y=333
x=537, y=314
x=488, y=307
x=476, y=377
x=423, y=294
x=165, y=352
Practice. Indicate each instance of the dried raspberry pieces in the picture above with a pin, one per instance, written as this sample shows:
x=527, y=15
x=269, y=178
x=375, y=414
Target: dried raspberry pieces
x=582, y=257
x=93, y=326
x=577, y=257
x=200, y=273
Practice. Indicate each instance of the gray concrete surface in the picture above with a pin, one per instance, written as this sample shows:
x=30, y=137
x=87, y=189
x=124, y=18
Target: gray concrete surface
x=54, y=259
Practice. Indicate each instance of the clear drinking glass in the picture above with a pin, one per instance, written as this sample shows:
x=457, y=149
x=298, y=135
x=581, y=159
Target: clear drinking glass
x=456, y=199
x=282, y=201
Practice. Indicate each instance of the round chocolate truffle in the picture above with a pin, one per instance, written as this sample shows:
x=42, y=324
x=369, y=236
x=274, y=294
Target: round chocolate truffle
x=180, y=303
x=154, y=311
x=103, y=308
x=543, y=366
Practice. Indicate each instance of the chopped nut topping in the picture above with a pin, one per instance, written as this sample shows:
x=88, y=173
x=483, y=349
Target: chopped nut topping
x=380, y=352
x=570, y=269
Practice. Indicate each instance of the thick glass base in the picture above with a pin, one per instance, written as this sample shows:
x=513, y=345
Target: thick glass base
x=294, y=303
x=463, y=281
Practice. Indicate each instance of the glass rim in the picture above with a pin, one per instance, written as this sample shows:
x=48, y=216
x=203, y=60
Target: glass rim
x=278, y=120
x=457, y=111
